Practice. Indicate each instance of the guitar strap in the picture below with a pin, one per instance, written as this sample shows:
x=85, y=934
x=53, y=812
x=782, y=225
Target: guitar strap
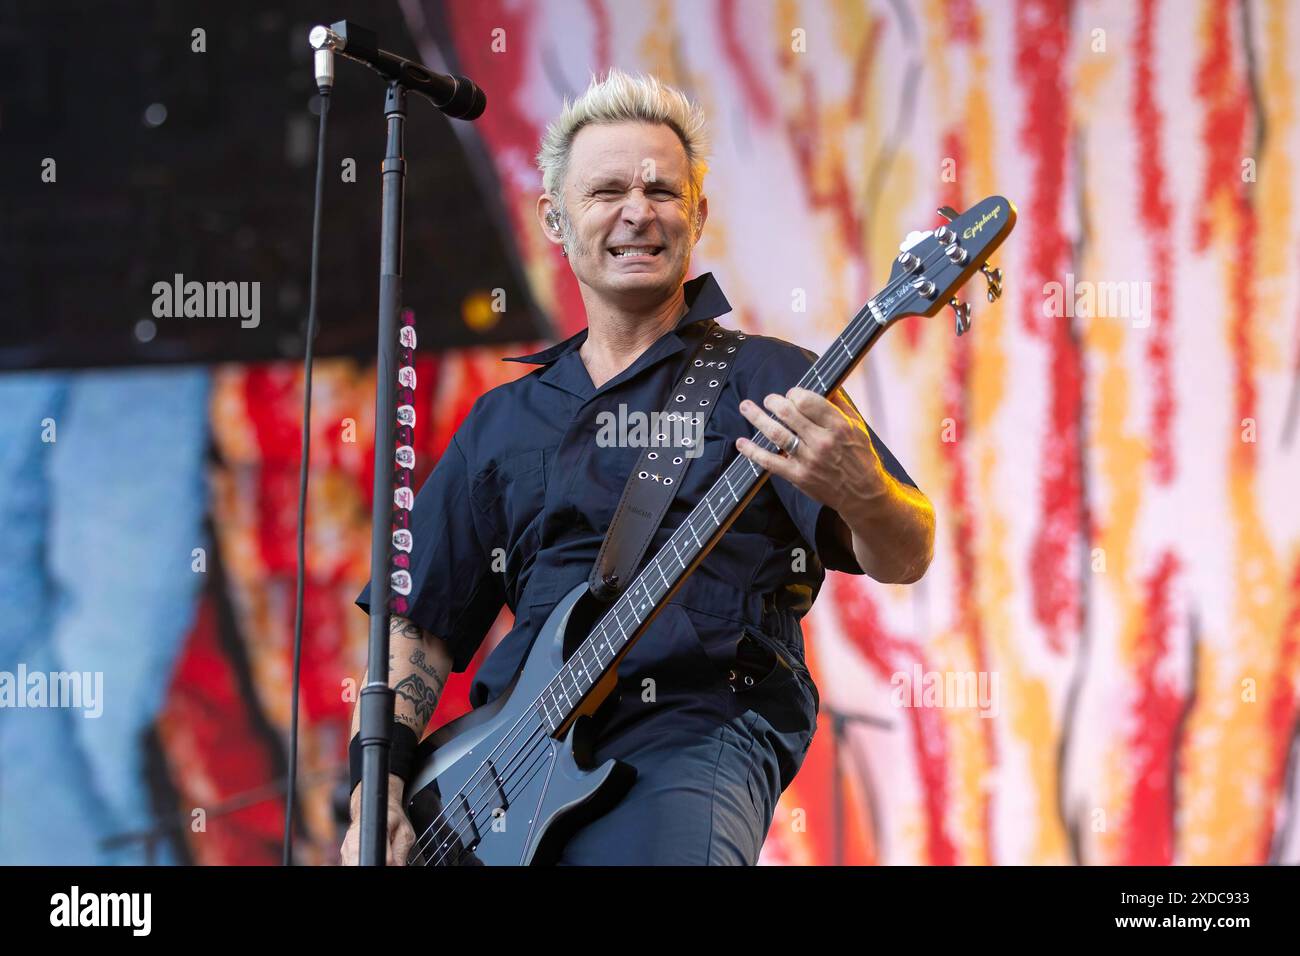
x=654, y=480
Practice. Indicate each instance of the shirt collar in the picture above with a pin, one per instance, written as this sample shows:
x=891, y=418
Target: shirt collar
x=704, y=300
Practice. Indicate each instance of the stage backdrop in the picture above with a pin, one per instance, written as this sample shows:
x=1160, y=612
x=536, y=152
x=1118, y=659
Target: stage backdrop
x=1111, y=452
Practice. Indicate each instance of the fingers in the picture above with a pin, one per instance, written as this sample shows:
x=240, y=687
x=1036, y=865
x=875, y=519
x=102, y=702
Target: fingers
x=765, y=423
x=816, y=408
x=403, y=841
x=778, y=465
x=401, y=837
x=788, y=411
x=391, y=858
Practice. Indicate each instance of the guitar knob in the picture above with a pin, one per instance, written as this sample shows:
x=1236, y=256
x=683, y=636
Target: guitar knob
x=909, y=262
x=993, y=276
x=925, y=287
x=957, y=254
x=945, y=235
x=961, y=310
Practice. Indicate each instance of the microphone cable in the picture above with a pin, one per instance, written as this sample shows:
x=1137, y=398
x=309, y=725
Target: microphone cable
x=291, y=789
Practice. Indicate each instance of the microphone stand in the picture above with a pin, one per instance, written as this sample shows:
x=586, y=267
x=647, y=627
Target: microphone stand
x=377, y=698
x=390, y=559
x=840, y=723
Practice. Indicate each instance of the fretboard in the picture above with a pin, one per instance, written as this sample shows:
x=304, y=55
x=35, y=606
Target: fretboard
x=628, y=616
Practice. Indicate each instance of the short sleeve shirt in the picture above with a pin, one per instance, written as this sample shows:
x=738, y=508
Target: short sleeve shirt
x=515, y=510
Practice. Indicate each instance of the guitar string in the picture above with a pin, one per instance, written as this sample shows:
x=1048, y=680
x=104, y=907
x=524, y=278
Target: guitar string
x=857, y=338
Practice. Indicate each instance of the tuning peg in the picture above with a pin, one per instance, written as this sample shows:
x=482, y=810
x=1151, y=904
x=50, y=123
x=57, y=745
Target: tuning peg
x=962, y=312
x=909, y=262
x=993, y=276
x=948, y=213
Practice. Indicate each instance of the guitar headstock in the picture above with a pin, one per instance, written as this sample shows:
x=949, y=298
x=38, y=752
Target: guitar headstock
x=935, y=264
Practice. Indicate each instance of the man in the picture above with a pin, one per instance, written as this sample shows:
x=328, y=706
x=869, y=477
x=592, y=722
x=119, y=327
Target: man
x=715, y=707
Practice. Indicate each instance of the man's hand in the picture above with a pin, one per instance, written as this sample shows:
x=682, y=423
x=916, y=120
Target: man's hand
x=835, y=461
x=836, y=464
x=401, y=835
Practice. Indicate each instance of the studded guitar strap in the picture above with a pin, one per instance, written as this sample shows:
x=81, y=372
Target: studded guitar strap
x=658, y=472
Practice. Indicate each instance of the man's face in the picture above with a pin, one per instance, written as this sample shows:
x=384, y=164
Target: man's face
x=627, y=195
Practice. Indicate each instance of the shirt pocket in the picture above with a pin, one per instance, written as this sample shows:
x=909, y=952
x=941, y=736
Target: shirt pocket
x=786, y=658
x=508, y=499
x=717, y=635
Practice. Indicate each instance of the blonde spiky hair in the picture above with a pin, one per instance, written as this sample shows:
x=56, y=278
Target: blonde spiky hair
x=621, y=98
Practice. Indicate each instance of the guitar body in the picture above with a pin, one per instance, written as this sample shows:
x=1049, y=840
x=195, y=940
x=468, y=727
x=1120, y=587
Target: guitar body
x=473, y=765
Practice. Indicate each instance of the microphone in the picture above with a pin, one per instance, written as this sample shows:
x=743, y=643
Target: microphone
x=456, y=96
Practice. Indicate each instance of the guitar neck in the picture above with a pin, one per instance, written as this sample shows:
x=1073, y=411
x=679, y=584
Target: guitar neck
x=631, y=613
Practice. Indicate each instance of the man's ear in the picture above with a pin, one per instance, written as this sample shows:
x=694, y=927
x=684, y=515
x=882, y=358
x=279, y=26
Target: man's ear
x=701, y=214
x=548, y=217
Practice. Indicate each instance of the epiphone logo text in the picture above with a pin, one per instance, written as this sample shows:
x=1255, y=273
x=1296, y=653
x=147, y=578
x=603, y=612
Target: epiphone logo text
x=975, y=229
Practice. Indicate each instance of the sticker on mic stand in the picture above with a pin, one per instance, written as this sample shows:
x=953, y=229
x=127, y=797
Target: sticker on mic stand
x=402, y=540
x=406, y=335
x=406, y=415
x=405, y=456
x=404, y=498
x=406, y=375
x=401, y=581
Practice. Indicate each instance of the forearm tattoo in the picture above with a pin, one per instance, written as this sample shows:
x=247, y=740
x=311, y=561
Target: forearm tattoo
x=423, y=697
x=423, y=694
x=418, y=659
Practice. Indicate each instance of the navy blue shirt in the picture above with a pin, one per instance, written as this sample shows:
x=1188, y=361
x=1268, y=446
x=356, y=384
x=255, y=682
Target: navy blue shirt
x=515, y=511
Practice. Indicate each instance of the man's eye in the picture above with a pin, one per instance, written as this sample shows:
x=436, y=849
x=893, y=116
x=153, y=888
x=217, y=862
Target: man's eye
x=606, y=192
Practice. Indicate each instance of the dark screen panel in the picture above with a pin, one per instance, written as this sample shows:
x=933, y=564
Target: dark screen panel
x=172, y=162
